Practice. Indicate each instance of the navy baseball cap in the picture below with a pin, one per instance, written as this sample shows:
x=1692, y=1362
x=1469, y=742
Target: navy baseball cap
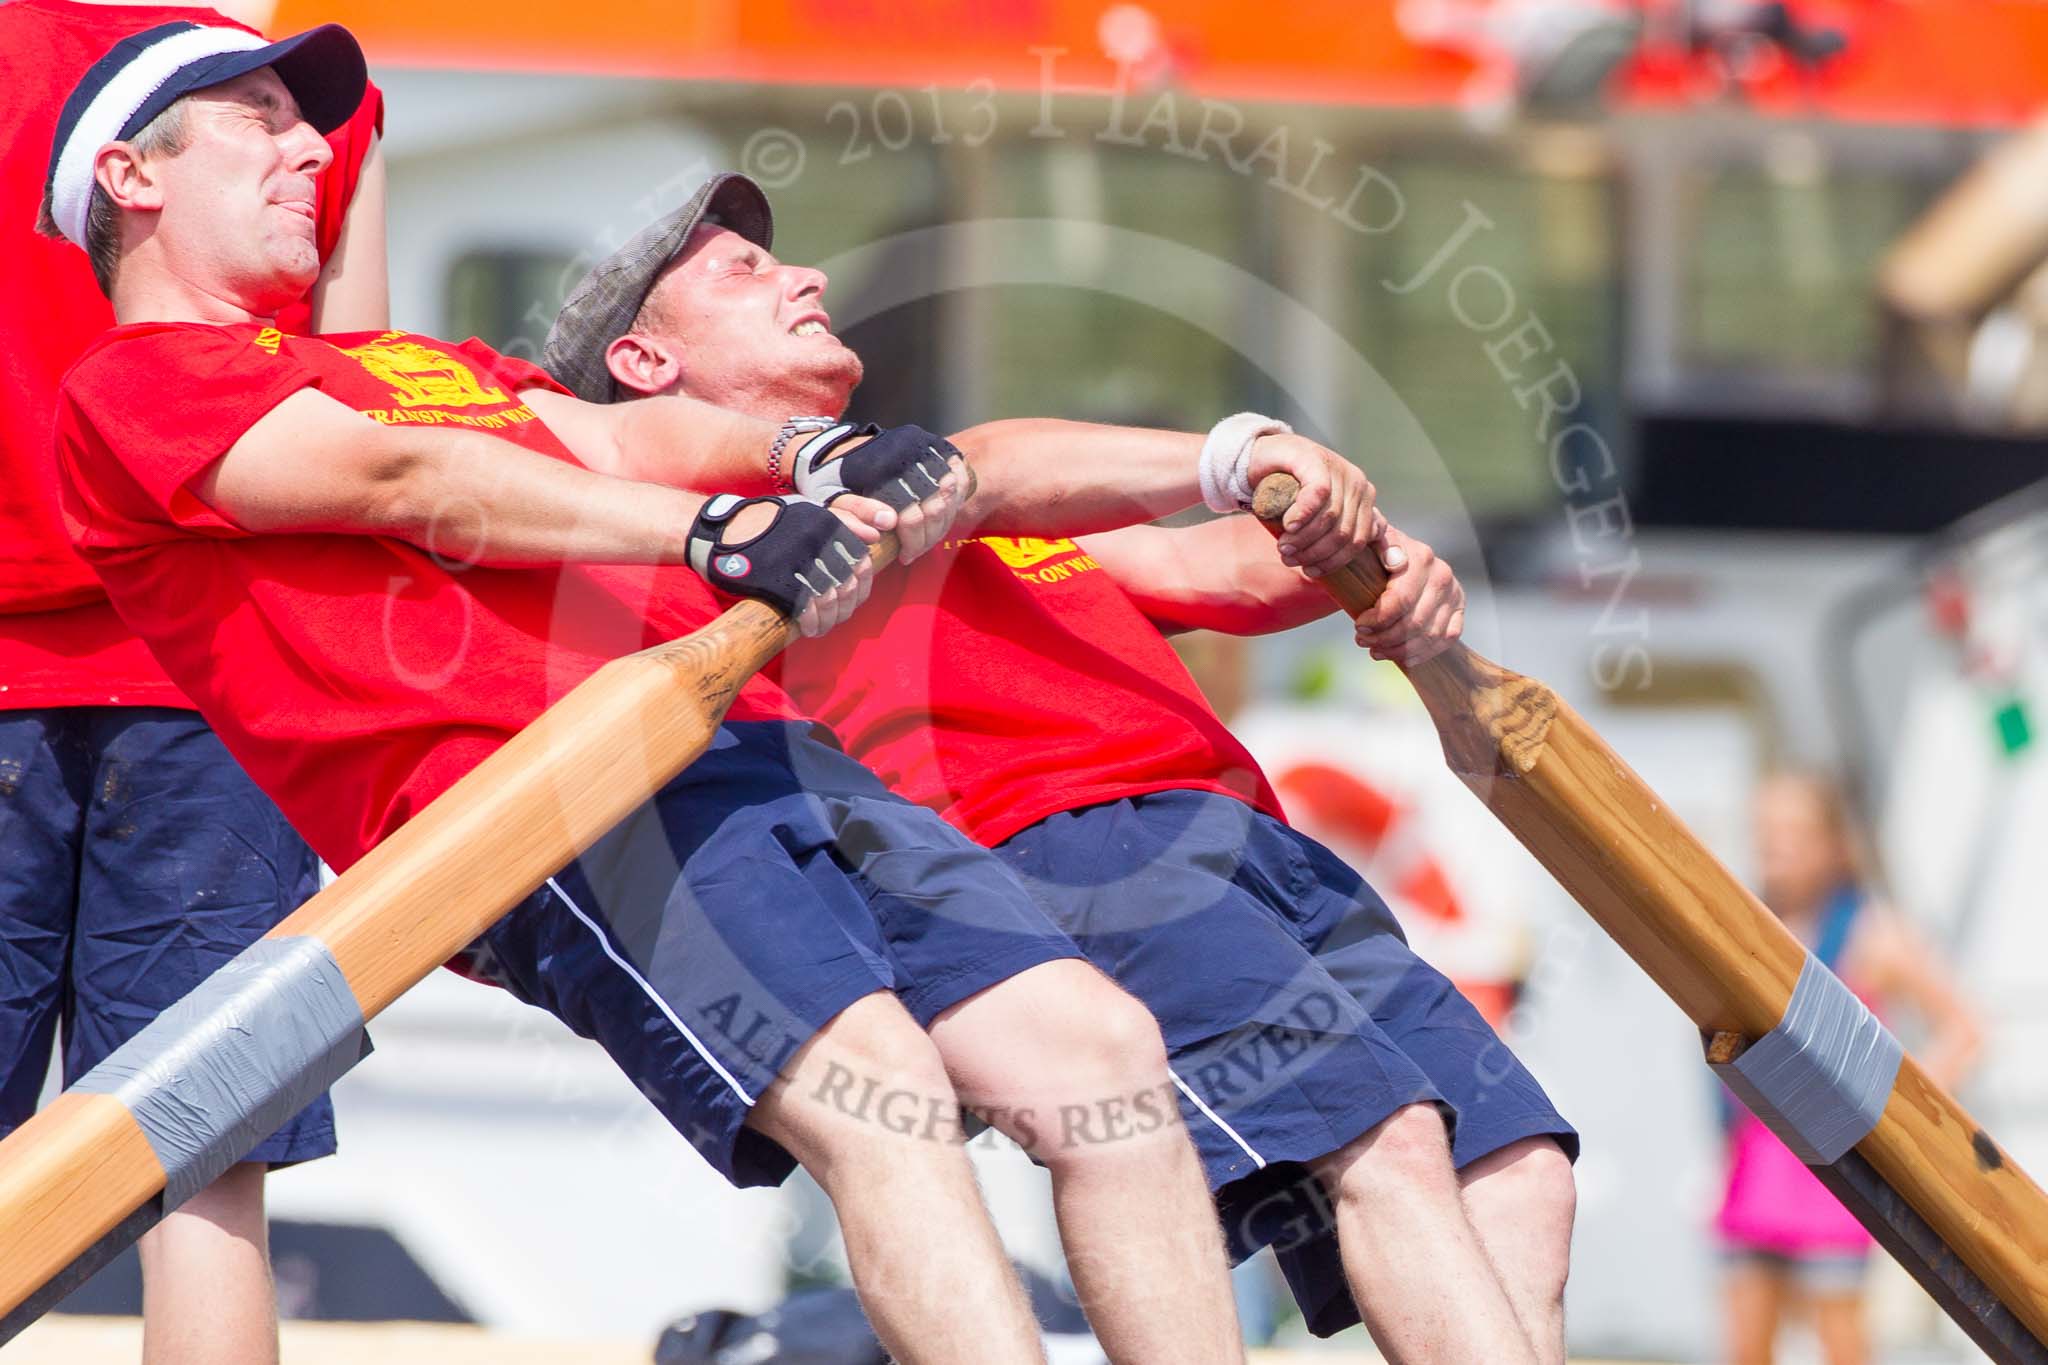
x=144, y=73
x=601, y=308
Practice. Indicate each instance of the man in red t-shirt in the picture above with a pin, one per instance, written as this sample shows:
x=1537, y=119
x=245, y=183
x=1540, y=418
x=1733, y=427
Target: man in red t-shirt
x=139, y=857
x=1021, y=684
x=371, y=558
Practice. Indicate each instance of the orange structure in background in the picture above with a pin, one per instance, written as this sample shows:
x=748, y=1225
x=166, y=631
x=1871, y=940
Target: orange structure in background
x=1958, y=62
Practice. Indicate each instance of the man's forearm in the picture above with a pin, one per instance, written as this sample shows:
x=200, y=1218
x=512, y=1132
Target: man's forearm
x=1222, y=575
x=1034, y=474
x=482, y=500
x=1073, y=478
x=683, y=443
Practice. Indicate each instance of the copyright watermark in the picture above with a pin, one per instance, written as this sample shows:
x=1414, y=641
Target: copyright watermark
x=1516, y=345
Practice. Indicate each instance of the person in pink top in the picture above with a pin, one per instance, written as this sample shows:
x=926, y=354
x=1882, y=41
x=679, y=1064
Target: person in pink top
x=1784, y=1237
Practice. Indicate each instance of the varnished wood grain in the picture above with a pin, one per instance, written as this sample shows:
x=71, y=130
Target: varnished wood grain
x=67, y=1176
x=1717, y=951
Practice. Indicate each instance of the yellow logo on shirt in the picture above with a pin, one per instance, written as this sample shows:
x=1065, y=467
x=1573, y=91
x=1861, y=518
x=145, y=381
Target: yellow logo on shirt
x=1026, y=551
x=268, y=340
x=1026, y=554
x=422, y=377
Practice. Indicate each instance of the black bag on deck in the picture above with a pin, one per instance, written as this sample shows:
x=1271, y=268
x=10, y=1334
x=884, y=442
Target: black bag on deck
x=813, y=1327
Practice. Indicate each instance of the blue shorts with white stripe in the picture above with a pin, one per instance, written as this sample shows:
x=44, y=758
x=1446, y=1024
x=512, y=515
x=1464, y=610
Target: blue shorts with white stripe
x=711, y=933
x=1296, y=1016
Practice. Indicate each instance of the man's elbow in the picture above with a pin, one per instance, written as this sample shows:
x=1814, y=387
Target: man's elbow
x=400, y=491
x=974, y=440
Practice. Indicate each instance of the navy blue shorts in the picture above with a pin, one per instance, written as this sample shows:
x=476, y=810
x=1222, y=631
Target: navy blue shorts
x=772, y=884
x=136, y=857
x=1295, y=1014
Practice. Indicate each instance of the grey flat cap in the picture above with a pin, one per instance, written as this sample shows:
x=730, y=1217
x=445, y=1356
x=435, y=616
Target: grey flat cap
x=601, y=308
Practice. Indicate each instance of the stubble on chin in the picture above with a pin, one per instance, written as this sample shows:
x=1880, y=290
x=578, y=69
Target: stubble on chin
x=835, y=381
x=294, y=267
x=813, y=383
x=850, y=370
x=299, y=258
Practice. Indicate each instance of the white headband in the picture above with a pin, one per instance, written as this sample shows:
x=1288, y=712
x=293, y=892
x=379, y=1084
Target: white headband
x=125, y=92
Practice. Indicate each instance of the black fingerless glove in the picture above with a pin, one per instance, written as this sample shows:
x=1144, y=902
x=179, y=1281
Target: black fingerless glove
x=900, y=466
x=805, y=551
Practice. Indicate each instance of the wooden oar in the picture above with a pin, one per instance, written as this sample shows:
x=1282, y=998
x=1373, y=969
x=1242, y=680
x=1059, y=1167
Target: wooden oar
x=1927, y=1181
x=86, y=1176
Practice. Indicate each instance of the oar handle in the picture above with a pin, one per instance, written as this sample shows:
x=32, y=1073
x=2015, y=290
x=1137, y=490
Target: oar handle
x=772, y=632
x=1450, y=682
x=1358, y=584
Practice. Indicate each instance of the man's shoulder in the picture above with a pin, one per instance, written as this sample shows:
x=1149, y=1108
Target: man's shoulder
x=123, y=349
x=150, y=392
x=398, y=342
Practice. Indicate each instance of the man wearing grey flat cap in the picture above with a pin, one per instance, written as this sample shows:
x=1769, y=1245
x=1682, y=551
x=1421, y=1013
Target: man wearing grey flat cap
x=1351, y=1107
x=598, y=338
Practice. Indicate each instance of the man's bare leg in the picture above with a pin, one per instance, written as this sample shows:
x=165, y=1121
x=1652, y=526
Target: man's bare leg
x=207, y=1297
x=1061, y=1059
x=1521, y=1201
x=857, y=1105
x=1413, y=1261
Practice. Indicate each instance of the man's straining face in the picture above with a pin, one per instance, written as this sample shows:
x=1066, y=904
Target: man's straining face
x=238, y=203
x=741, y=330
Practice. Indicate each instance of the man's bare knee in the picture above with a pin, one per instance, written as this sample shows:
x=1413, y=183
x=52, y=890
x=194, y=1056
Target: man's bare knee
x=1061, y=1032
x=1410, y=1149
x=1529, y=1182
x=1090, y=1079
x=1119, y=1040
x=869, y=1077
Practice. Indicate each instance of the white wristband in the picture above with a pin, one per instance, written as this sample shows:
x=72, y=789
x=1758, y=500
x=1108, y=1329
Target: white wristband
x=1225, y=468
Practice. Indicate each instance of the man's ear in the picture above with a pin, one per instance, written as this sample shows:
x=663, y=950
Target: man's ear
x=127, y=178
x=646, y=365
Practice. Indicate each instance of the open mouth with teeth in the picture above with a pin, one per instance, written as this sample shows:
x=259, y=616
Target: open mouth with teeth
x=810, y=327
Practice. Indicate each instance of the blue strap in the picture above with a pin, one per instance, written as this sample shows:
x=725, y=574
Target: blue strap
x=1837, y=917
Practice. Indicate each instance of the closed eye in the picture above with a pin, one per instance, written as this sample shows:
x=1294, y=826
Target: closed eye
x=742, y=264
x=266, y=108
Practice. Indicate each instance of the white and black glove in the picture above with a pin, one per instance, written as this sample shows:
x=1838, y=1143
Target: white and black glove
x=900, y=466
x=805, y=552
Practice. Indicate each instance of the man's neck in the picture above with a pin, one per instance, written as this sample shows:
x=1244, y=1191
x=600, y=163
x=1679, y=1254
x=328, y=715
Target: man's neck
x=780, y=406
x=145, y=294
x=772, y=398
x=779, y=413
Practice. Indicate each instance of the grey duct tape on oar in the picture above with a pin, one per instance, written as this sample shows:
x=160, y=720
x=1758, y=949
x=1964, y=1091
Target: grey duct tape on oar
x=1821, y=1078
x=225, y=1067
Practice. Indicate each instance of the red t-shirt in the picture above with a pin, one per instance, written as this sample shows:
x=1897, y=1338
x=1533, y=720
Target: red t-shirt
x=60, y=642
x=1000, y=681
x=354, y=676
